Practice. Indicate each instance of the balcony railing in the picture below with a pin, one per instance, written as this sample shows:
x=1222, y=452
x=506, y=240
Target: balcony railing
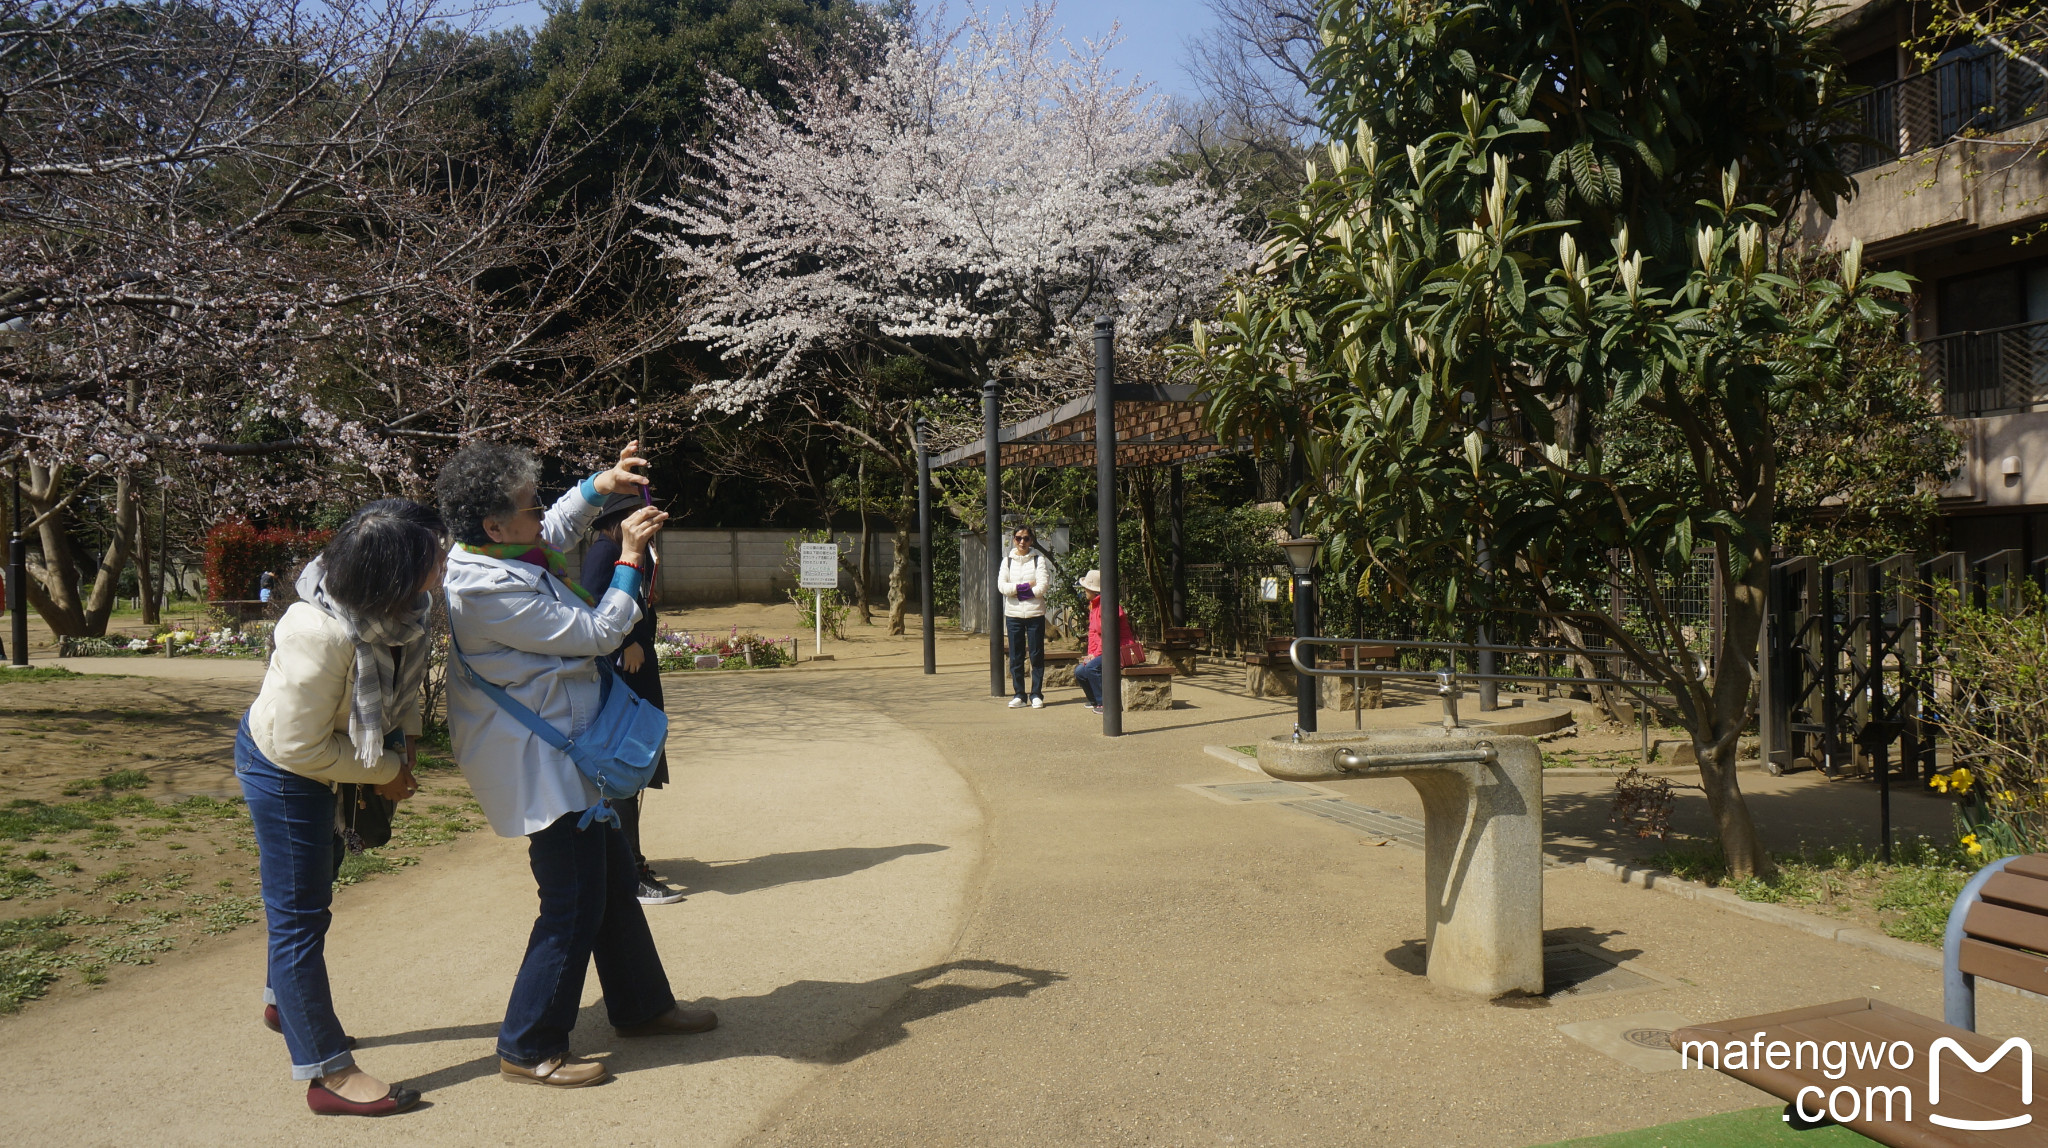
x=1986, y=372
x=1971, y=93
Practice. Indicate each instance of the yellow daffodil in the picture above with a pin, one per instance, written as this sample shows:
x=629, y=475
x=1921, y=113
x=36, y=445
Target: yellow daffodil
x=1970, y=843
x=1961, y=779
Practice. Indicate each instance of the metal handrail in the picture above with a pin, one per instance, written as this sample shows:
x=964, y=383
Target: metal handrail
x=2000, y=368
x=1448, y=678
x=1928, y=109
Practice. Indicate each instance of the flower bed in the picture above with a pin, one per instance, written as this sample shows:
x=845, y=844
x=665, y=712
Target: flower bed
x=679, y=651
x=249, y=642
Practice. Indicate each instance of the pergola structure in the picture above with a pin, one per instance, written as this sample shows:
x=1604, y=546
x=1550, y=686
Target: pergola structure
x=1142, y=425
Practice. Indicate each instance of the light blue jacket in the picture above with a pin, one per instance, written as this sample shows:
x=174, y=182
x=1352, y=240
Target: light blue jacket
x=524, y=630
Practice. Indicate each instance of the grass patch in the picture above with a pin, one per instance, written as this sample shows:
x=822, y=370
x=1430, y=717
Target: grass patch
x=1749, y=1128
x=1247, y=750
x=1911, y=894
x=37, y=674
x=31, y=957
x=24, y=820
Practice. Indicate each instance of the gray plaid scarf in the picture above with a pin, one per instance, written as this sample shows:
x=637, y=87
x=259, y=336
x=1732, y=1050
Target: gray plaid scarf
x=383, y=682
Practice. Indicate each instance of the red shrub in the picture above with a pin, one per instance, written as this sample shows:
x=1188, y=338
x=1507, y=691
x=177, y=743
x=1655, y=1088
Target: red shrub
x=237, y=554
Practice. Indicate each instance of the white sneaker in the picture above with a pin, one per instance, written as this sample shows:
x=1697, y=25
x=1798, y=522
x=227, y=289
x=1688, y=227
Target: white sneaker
x=1016, y=703
x=1038, y=703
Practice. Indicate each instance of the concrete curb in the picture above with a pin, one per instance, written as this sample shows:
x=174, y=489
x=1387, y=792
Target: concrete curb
x=1240, y=760
x=1745, y=765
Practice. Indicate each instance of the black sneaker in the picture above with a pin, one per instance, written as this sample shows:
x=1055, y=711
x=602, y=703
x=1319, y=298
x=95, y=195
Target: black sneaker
x=653, y=892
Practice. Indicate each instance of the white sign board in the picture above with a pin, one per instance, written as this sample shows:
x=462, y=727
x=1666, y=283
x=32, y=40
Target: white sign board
x=818, y=565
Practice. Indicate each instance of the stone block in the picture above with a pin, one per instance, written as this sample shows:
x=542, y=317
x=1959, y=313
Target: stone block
x=1148, y=693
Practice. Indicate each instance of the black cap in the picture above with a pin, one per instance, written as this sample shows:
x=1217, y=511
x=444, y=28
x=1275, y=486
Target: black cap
x=616, y=508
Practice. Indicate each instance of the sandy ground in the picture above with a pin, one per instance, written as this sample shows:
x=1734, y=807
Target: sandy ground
x=931, y=920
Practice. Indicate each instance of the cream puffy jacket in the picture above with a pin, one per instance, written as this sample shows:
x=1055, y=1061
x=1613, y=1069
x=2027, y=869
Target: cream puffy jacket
x=300, y=717
x=1032, y=569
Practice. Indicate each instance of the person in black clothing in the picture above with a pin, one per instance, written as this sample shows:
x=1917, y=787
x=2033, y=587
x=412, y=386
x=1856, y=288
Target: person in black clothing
x=637, y=666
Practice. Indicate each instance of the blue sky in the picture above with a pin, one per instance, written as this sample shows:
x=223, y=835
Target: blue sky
x=1153, y=32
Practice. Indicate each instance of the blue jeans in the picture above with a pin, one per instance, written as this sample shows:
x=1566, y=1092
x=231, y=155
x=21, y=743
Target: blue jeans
x=588, y=908
x=1089, y=676
x=1023, y=633
x=298, y=856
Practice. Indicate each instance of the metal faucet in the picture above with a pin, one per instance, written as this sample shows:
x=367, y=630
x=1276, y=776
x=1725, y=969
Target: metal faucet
x=1447, y=689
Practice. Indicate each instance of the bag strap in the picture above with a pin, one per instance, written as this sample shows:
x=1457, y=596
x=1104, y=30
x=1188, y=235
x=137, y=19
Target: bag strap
x=513, y=706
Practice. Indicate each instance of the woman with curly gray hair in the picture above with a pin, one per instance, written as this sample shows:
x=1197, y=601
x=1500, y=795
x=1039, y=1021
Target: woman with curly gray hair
x=522, y=624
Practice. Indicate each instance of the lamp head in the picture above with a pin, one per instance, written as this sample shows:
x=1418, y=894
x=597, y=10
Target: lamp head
x=1302, y=552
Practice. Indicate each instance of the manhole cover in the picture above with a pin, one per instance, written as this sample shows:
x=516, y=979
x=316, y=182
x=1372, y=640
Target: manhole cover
x=1658, y=1038
x=1578, y=972
x=1259, y=791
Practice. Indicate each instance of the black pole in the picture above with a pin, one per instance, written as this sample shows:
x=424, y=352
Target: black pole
x=992, y=516
x=1305, y=627
x=1176, y=543
x=163, y=546
x=924, y=542
x=17, y=578
x=1881, y=723
x=1105, y=524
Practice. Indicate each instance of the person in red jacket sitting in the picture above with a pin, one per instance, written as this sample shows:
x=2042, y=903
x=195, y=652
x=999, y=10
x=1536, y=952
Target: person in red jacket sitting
x=1089, y=672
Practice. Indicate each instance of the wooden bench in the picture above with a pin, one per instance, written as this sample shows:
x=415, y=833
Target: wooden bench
x=1270, y=674
x=1998, y=929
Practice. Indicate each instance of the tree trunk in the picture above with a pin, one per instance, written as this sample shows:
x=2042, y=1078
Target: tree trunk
x=864, y=575
x=899, y=575
x=108, y=579
x=1148, y=549
x=1717, y=733
x=53, y=584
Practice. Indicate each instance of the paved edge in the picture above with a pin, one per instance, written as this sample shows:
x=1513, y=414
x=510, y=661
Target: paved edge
x=1854, y=936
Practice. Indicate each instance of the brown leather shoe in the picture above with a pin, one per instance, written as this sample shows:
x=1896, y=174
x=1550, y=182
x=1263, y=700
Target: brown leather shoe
x=559, y=1072
x=677, y=1021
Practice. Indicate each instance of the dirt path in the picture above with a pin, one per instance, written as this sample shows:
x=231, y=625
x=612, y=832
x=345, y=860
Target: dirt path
x=829, y=853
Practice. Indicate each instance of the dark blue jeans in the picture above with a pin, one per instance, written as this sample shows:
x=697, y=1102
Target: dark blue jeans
x=588, y=908
x=1088, y=675
x=1023, y=633
x=298, y=856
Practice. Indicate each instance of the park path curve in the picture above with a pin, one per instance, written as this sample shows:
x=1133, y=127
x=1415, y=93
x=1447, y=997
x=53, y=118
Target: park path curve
x=830, y=854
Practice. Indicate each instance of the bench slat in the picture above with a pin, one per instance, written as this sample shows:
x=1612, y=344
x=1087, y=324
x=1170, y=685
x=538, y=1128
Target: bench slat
x=2033, y=865
x=1966, y=1094
x=2006, y=966
x=2012, y=927
x=2016, y=892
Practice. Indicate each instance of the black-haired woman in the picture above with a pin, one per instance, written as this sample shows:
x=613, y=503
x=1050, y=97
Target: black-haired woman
x=340, y=703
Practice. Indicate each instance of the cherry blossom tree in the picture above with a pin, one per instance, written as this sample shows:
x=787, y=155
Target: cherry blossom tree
x=265, y=245
x=978, y=196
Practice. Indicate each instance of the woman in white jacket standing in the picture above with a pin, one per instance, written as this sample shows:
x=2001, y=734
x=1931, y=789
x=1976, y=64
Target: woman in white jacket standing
x=340, y=703
x=1024, y=578
x=523, y=625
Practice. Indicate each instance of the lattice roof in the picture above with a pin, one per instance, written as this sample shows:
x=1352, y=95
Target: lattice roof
x=1155, y=426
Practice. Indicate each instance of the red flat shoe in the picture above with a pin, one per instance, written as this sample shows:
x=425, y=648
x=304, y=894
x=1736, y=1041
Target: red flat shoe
x=326, y=1102
x=275, y=1024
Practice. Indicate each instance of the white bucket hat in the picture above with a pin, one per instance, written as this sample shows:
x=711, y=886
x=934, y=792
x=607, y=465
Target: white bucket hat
x=1092, y=581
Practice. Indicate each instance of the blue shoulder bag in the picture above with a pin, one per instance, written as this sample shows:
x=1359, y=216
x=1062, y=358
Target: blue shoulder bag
x=617, y=751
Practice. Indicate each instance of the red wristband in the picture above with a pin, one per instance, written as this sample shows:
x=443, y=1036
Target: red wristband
x=623, y=562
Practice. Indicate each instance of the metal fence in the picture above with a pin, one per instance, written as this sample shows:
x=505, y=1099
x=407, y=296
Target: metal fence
x=1979, y=372
x=1981, y=91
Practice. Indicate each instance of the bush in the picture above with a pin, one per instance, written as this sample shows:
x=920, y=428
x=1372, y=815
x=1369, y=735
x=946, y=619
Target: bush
x=1996, y=720
x=237, y=554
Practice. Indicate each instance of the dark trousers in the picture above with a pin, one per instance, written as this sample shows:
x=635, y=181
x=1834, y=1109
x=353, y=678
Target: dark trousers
x=588, y=910
x=297, y=859
x=1023, y=632
x=1088, y=675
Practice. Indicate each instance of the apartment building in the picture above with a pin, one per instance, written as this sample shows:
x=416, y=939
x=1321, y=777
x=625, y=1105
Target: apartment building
x=1957, y=213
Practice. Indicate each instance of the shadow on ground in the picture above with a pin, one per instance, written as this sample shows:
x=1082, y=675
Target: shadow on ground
x=773, y=869
x=815, y=1022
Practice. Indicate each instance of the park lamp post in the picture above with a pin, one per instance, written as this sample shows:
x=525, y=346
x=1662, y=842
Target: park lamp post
x=1301, y=554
